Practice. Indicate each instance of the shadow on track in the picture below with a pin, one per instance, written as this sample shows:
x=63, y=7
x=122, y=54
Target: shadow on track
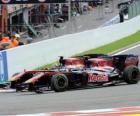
x=70, y=90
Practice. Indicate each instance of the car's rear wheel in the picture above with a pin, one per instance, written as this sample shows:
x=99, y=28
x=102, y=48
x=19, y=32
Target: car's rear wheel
x=59, y=82
x=131, y=74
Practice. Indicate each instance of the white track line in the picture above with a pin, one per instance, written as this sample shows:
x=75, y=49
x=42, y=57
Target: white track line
x=95, y=111
x=133, y=109
x=7, y=90
x=41, y=114
x=127, y=49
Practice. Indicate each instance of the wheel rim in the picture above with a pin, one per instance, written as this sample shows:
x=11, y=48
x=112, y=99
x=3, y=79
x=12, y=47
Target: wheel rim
x=61, y=82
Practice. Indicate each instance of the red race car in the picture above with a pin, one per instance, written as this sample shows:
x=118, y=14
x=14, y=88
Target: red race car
x=75, y=72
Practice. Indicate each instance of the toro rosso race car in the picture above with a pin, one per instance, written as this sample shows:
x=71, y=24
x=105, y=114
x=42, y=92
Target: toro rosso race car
x=81, y=71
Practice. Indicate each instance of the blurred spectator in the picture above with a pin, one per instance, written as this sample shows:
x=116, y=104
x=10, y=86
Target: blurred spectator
x=5, y=43
x=0, y=36
x=29, y=40
x=0, y=41
x=121, y=16
x=90, y=8
x=14, y=41
x=85, y=9
x=9, y=41
x=73, y=11
x=18, y=39
x=64, y=12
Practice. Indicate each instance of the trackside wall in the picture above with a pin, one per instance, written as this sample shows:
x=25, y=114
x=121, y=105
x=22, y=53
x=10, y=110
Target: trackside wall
x=37, y=54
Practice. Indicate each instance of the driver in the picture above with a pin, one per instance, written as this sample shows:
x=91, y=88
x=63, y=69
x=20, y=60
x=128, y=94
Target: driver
x=61, y=61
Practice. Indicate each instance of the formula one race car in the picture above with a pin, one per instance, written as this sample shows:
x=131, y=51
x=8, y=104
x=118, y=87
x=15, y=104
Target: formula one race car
x=80, y=71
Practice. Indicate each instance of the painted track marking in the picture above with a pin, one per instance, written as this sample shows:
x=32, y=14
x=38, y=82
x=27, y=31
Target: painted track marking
x=127, y=49
x=126, y=111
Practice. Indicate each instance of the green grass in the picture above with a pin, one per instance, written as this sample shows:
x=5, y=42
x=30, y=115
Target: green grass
x=47, y=66
x=115, y=45
x=124, y=42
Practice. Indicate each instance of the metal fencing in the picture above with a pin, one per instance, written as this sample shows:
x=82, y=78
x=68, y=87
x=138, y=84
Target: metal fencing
x=134, y=9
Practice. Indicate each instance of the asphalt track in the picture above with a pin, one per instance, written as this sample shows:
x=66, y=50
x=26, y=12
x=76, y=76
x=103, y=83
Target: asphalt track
x=86, y=99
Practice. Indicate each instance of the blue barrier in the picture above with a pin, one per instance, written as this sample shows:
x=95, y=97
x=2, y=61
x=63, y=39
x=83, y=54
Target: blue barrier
x=3, y=66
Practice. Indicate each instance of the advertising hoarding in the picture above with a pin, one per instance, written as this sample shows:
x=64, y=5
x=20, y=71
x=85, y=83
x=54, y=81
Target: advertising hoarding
x=3, y=66
x=30, y=1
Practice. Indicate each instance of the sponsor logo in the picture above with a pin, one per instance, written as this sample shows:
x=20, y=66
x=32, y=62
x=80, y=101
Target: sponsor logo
x=3, y=67
x=98, y=78
x=5, y=1
x=41, y=0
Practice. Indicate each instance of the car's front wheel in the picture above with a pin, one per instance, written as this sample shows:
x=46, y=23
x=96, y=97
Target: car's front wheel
x=59, y=82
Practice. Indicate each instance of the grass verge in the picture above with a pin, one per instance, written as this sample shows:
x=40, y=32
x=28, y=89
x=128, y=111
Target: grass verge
x=115, y=45
x=124, y=42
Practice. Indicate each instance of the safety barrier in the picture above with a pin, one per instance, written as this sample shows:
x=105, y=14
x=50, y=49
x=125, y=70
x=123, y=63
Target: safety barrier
x=37, y=54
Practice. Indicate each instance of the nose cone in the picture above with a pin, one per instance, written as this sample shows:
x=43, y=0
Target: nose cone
x=35, y=78
x=32, y=80
x=14, y=78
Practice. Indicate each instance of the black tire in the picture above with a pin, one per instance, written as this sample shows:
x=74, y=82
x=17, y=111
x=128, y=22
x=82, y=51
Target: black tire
x=31, y=87
x=131, y=75
x=18, y=88
x=59, y=82
x=13, y=85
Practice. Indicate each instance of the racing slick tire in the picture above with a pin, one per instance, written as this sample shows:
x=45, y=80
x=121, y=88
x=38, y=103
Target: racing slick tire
x=59, y=82
x=131, y=74
x=13, y=85
x=18, y=88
